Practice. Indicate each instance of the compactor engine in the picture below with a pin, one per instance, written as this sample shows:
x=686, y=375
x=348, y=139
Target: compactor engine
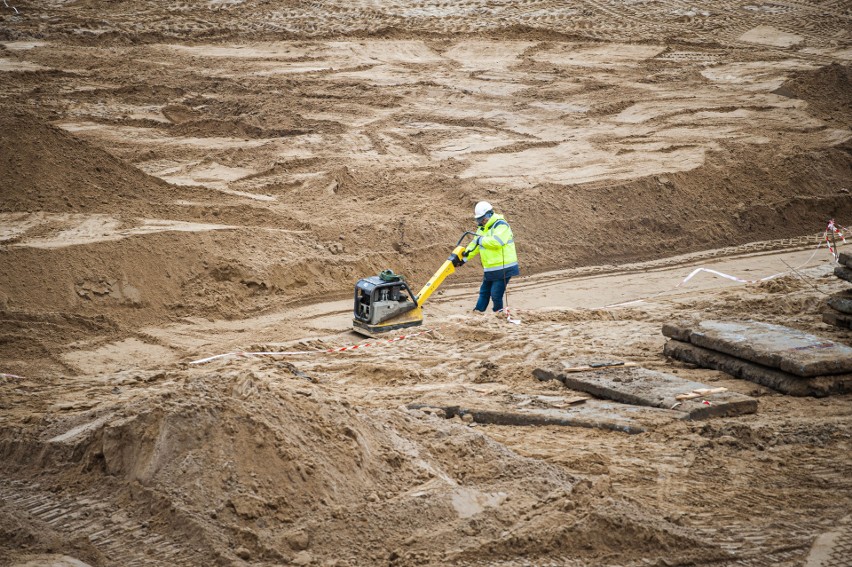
x=382, y=297
x=385, y=302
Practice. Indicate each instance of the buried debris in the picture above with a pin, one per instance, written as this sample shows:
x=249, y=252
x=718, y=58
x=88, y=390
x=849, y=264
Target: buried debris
x=775, y=346
x=787, y=360
x=843, y=273
x=597, y=366
x=700, y=393
x=841, y=301
x=839, y=310
x=552, y=401
x=837, y=319
x=643, y=387
x=602, y=415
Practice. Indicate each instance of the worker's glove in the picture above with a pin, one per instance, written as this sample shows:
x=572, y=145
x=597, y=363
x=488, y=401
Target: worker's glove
x=478, y=241
x=457, y=261
x=465, y=254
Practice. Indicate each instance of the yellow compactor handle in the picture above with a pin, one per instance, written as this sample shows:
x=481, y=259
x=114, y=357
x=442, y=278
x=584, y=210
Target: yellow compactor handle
x=445, y=270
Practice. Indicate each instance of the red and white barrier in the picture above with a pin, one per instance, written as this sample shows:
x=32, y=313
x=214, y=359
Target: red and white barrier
x=832, y=232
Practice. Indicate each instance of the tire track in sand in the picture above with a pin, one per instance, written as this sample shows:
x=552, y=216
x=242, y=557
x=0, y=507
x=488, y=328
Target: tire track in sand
x=122, y=540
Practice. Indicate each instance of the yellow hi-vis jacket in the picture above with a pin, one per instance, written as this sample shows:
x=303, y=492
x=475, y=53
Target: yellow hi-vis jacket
x=495, y=245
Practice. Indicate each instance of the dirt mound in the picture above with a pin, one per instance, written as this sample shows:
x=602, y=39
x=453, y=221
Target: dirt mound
x=116, y=23
x=282, y=468
x=45, y=168
x=722, y=203
x=145, y=278
x=31, y=336
x=827, y=90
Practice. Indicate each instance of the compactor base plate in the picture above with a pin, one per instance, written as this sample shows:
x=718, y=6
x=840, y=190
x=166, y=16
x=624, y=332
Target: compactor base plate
x=382, y=330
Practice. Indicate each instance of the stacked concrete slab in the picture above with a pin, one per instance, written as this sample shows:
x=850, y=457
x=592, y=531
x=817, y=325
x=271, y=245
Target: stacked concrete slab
x=639, y=386
x=839, y=312
x=785, y=359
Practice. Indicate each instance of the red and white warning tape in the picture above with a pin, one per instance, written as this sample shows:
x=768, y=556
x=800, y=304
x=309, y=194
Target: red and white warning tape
x=505, y=311
x=302, y=352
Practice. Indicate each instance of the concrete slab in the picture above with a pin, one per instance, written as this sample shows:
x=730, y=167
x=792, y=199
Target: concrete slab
x=845, y=259
x=595, y=414
x=837, y=319
x=841, y=301
x=643, y=387
x=775, y=346
x=818, y=386
x=843, y=273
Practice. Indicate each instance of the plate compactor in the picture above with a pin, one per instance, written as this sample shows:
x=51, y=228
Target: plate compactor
x=385, y=303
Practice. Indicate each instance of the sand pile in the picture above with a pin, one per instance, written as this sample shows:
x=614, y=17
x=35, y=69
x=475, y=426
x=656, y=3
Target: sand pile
x=728, y=200
x=89, y=238
x=827, y=90
x=262, y=462
x=47, y=169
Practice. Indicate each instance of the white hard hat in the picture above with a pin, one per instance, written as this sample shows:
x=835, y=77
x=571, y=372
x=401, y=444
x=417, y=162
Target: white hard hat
x=481, y=209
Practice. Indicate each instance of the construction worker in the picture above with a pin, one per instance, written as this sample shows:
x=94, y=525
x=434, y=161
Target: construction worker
x=495, y=245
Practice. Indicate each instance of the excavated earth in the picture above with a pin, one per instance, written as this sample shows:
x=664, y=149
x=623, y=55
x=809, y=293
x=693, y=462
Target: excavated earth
x=185, y=179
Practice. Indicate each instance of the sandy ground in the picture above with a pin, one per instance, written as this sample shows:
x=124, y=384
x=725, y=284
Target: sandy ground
x=189, y=179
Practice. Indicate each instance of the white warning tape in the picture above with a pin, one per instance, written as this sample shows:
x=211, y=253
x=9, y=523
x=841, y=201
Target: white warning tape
x=726, y=276
x=302, y=352
x=12, y=7
x=694, y=273
x=11, y=376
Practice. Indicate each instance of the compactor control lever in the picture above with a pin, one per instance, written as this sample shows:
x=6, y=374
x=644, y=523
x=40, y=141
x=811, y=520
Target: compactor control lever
x=447, y=268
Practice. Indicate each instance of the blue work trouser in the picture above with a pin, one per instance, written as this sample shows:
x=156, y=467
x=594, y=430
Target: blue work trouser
x=494, y=291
